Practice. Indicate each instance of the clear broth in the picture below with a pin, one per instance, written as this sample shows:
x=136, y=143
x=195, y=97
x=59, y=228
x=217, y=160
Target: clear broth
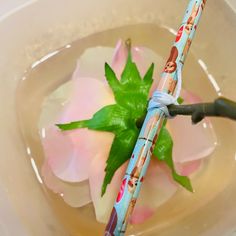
x=44, y=77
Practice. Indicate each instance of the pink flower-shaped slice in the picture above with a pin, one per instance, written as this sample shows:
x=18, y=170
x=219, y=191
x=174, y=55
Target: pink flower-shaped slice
x=80, y=155
x=69, y=153
x=191, y=142
x=74, y=194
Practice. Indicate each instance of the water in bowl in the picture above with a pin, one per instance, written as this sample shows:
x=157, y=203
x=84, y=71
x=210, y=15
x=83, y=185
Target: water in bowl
x=47, y=74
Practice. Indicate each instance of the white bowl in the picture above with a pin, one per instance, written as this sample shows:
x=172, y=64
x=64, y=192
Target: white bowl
x=31, y=29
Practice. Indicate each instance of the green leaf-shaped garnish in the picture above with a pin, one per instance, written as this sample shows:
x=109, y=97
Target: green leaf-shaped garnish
x=123, y=119
x=163, y=151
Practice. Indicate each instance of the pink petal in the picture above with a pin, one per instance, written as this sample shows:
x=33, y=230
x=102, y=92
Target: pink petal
x=191, y=142
x=187, y=168
x=141, y=214
x=89, y=95
x=119, y=58
x=121, y=54
x=143, y=57
x=103, y=205
x=76, y=195
x=91, y=62
x=158, y=187
x=69, y=153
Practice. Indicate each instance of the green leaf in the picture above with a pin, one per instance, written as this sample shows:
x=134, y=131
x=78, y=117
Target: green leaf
x=112, y=79
x=119, y=154
x=180, y=100
x=130, y=75
x=148, y=76
x=112, y=118
x=73, y=125
x=163, y=151
x=131, y=92
x=125, y=119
